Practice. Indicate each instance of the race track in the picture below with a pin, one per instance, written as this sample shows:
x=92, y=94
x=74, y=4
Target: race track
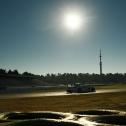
x=56, y=93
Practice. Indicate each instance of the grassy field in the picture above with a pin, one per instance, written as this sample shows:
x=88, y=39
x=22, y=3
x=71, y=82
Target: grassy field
x=70, y=103
x=112, y=86
x=84, y=103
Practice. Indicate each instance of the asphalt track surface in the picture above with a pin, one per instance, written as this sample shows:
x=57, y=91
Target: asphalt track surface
x=56, y=93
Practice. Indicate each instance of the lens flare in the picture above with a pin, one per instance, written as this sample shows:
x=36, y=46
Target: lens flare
x=73, y=21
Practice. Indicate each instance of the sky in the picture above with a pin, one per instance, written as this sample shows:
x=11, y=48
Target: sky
x=33, y=36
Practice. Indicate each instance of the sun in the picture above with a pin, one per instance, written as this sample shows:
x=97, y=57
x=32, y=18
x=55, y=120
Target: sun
x=72, y=21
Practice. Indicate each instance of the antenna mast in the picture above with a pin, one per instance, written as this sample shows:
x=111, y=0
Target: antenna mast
x=100, y=63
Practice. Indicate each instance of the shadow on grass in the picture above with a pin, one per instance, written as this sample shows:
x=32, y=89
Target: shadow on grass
x=3, y=121
x=97, y=112
x=44, y=123
x=33, y=115
x=87, y=117
x=114, y=119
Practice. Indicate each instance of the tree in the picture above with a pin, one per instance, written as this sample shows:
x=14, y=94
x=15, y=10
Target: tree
x=2, y=71
x=14, y=72
x=27, y=74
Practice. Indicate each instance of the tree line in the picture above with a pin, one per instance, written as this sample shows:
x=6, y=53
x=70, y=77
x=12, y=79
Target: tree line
x=71, y=78
x=85, y=78
x=14, y=72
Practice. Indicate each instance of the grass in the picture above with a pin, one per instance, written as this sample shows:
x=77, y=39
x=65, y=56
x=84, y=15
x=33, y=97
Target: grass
x=112, y=86
x=69, y=103
x=79, y=104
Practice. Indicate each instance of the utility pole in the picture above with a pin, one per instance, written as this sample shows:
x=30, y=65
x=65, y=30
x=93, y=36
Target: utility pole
x=100, y=63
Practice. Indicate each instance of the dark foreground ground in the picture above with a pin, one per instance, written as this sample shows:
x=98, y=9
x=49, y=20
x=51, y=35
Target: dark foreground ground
x=82, y=118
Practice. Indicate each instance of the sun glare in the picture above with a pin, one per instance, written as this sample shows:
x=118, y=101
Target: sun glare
x=73, y=21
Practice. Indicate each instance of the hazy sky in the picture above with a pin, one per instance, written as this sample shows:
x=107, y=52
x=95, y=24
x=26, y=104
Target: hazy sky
x=33, y=37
